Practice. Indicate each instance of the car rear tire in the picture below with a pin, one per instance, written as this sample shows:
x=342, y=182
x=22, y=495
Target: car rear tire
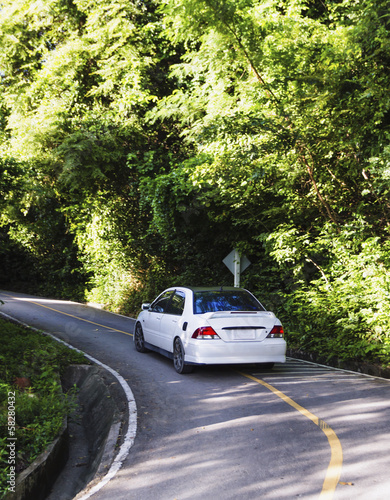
x=139, y=339
x=178, y=358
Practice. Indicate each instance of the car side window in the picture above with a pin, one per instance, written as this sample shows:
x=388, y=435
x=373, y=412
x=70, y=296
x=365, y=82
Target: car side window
x=160, y=305
x=176, y=306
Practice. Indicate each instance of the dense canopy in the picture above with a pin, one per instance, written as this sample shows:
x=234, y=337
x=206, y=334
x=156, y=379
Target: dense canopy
x=142, y=140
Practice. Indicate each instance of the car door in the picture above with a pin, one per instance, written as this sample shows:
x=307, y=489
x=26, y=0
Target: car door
x=170, y=322
x=152, y=324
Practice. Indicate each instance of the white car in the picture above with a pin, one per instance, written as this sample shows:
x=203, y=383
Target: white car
x=208, y=326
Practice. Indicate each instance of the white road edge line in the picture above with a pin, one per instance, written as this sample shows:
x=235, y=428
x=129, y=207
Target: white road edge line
x=132, y=424
x=129, y=437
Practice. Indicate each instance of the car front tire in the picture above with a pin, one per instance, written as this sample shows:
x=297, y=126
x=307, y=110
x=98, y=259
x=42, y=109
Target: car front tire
x=178, y=358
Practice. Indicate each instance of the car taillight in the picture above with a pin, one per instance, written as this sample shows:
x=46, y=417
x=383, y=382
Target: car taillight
x=277, y=332
x=205, y=332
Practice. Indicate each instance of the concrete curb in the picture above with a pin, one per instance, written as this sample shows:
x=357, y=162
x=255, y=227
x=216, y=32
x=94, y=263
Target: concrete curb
x=102, y=415
x=128, y=439
x=37, y=480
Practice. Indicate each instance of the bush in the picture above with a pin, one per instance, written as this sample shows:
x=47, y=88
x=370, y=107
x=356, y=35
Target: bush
x=346, y=312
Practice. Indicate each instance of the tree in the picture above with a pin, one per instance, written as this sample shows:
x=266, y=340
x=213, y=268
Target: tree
x=74, y=99
x=286, y=108
x=151, y=137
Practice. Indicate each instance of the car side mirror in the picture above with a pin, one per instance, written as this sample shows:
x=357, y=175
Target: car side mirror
x=145, y=307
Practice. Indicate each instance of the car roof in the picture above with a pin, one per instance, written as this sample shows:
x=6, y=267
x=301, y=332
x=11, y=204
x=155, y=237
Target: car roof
x=210, y=288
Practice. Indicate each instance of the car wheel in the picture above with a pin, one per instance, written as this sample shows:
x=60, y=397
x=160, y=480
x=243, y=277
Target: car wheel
x=178, y=358
x=139, y=339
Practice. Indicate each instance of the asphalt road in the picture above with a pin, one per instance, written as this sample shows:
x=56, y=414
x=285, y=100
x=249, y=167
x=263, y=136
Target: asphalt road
x=227, y=433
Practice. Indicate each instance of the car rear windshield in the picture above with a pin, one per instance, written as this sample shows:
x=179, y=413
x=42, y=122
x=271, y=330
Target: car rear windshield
x=229, y=300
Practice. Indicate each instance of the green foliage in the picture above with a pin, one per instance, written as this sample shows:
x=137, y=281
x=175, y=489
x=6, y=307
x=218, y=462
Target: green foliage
x=340, y=304
x=25, y=353
x=284, y=105
x=38, y=253
x=40, y=408
x=141, y=141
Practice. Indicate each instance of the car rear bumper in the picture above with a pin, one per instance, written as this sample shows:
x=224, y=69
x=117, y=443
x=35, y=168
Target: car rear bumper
x=214, y=352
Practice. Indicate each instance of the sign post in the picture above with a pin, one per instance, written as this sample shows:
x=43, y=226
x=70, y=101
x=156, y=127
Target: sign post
x=237, y=268
x=236, y=265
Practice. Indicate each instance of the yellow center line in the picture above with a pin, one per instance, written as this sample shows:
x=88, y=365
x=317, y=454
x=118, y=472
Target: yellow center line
x=333, y=472
x=75, y=317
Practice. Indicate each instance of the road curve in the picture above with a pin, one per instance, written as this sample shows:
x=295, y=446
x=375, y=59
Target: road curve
x=223, y=433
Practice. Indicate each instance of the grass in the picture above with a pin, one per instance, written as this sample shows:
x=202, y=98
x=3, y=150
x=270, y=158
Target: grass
x=32, y=404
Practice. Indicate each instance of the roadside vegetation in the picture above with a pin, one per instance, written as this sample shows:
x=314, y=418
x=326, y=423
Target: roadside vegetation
x=140, y=142
x=30, y=394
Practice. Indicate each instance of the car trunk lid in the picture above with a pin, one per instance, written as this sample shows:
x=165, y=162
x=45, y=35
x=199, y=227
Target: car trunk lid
x=238, y=326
